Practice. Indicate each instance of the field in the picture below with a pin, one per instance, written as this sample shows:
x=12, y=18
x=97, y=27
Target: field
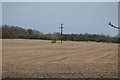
x=42, y=59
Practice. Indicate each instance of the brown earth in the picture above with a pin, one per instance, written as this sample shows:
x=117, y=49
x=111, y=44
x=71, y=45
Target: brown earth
x=24, y=58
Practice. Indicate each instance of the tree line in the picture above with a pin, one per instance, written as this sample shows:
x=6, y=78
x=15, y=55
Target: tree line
x=15, y=32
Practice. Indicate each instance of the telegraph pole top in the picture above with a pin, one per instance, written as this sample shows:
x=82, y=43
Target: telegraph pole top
x=61, y=27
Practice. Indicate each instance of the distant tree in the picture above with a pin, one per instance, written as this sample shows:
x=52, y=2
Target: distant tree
x=0, y=32
x=12, y=31
x=9, y=32
x=29, y=31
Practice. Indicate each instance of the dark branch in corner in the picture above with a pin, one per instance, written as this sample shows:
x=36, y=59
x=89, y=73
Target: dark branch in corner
x=113, y=25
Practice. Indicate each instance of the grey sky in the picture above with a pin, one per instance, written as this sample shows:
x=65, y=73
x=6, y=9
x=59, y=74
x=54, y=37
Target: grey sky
x=0, y=13
x=78, y=17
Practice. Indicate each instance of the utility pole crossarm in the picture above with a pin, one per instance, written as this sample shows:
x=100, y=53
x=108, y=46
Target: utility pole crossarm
x=113, y=26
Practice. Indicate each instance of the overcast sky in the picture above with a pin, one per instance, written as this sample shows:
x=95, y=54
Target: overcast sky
x=77, y=17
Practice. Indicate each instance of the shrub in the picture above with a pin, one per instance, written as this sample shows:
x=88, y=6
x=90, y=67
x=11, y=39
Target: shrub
x=53, y=40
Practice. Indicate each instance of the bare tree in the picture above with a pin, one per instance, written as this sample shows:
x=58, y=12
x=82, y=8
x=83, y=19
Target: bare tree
x=113, y=25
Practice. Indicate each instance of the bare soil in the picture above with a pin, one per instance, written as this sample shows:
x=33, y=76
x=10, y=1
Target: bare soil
x=23, y=58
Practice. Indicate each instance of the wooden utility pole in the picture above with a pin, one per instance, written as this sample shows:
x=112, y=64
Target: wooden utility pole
x=61, y=27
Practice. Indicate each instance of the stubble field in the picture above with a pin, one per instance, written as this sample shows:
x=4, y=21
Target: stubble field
x=22, y=58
